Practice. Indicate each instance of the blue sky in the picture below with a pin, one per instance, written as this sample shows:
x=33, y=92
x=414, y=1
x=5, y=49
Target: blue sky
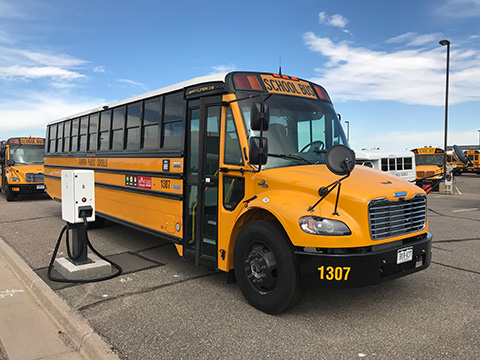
x=379, y=60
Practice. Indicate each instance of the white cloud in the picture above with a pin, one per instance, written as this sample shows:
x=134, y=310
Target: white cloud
x=131, y=82
x=459, y=8
x=61, y=60
x=217, y=69
x=335, y=20
x=36, y=110
x=406, y=76
x=99, y=69
x=35, y=72
x=413, y=39
x=9, y=11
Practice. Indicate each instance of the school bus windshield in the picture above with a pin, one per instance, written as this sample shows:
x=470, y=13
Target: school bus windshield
x=27, y=154
x=430, y=159
x=300, y=132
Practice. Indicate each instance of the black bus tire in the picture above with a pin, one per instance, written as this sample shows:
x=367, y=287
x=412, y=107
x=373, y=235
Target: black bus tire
x=266, y=267
x=9, y=194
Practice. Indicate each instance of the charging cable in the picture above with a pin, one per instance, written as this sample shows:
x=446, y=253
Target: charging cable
x=74, y=257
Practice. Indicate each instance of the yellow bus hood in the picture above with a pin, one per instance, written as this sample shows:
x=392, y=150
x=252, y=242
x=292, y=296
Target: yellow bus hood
x=289, y=192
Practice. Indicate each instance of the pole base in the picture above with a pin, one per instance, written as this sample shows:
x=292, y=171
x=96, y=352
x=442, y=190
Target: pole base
x=96, y=268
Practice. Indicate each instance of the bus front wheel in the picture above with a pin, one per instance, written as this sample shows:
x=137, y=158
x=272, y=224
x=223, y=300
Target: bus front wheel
x=266, y=268
x=9, y=194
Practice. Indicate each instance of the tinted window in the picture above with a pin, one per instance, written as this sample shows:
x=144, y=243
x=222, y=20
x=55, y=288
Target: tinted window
x=233, y=152
x=153, y=111
x=174, y=107
x=134, y=116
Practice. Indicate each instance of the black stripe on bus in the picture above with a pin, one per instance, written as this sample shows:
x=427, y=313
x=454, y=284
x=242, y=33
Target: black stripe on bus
x=94, y=155
x=169, y=175
x=160, y=234
x=132, y=189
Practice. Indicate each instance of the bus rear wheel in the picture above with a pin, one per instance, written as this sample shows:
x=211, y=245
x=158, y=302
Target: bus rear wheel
x=266, y=268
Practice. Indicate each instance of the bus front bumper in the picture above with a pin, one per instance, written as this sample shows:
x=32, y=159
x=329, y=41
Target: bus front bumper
x=27, y=188
x=363, y=269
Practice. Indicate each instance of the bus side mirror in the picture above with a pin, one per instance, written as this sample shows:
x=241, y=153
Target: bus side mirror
x=258, y=150
x=340, y=160
x=259, y=116
x=460, y=155
x=10, y=162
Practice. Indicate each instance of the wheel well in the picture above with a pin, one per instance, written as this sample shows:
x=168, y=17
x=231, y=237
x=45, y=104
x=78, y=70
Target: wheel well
x=245, y=219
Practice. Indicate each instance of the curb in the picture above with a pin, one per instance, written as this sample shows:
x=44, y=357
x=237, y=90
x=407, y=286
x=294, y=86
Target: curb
x=89, y=343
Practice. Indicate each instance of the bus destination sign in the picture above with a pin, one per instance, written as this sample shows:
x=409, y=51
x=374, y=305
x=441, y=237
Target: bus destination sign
x=288, y=87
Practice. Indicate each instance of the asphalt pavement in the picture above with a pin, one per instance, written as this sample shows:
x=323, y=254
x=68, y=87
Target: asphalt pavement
x=162, y=307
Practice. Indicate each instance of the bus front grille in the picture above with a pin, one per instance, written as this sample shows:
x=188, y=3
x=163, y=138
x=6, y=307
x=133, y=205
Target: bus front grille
x=32, y=177
x=393, y=218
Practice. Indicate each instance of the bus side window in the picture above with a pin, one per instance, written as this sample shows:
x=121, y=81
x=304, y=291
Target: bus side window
x=83, y=133
x=59, y=137
x=233, y=191
x=92, y=132
x=233, y=152
x=74, y=141
x=118, y=124
x=104, y=130
x=173, y=120
x=152, y=118
x=52, y=137
x=66, y=136
x=134, y=116
x=384, y=164
x=407, y=163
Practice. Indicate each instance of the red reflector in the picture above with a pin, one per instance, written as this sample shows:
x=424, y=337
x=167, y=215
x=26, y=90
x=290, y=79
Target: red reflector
x=241, y=82
x=276, y=75
x=322, y=94
x=439, y=151
x=286, y=77
x=294, y=78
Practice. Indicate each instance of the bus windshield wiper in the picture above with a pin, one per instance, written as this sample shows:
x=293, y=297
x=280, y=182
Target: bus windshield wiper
x=290, y=156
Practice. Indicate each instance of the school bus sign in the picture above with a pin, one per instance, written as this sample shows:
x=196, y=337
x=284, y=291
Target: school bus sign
x=288, y=87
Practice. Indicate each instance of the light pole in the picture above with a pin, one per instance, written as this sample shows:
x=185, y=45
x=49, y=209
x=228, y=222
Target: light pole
x=348, y=129
x=443, y=43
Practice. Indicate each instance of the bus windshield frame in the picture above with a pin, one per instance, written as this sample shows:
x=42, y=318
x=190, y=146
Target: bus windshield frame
x=429, y=159
x=24, y=154
x=301, y=130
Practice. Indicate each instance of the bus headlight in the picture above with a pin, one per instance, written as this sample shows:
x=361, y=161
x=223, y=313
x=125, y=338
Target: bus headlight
x=13, y=179
x=320, y=226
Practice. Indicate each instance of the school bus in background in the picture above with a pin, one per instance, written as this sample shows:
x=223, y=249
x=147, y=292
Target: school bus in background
x=396, y=162
x=21, y=162
x=429, y=163
x=234, y=170
x=474, y=164
x=456, y=165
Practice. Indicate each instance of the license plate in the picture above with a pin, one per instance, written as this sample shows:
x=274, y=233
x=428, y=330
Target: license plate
x=40, y=187
x=404, y=255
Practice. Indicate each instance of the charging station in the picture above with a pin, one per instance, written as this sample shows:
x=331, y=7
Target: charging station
x=78, y=208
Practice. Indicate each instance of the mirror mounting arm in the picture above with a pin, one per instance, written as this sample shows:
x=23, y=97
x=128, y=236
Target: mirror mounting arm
x=325, y=190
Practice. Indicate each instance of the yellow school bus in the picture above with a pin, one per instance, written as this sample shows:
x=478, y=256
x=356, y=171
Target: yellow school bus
x=429, y=161
x=21, y=162
x=248, y=173
x=456, y=165
x=474, y=163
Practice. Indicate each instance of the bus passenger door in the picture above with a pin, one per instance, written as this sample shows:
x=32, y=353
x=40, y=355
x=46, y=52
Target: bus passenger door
x=202, y=166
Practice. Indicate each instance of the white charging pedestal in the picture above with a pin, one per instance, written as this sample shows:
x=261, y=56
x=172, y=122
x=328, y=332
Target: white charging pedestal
x=78, y=201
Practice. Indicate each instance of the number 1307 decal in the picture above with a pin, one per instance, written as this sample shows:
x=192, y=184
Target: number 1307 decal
x=334, y=273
